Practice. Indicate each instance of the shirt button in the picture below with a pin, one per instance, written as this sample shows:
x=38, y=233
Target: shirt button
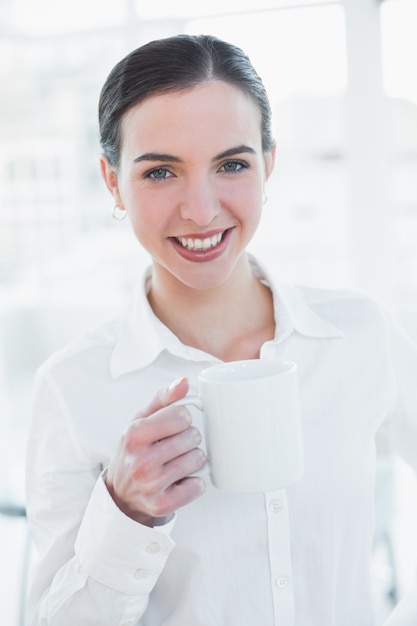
x=282, y=582
x=153, y=548
x=275, y=505
x=142, y=574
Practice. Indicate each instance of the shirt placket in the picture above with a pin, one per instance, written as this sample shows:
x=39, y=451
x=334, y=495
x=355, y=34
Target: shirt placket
x=280, y=557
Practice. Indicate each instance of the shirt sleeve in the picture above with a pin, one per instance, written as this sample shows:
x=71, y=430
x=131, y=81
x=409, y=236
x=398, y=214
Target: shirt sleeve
x=401, y=427
x=401, y=430
x=95, y=564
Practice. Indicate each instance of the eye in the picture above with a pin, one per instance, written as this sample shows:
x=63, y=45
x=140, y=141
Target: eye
x=233, y=166
x=159, y=173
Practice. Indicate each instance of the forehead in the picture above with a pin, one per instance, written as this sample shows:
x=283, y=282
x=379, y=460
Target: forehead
x=213, y=111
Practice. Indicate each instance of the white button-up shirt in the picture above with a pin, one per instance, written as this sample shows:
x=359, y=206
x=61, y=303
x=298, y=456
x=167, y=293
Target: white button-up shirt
x=294, y=557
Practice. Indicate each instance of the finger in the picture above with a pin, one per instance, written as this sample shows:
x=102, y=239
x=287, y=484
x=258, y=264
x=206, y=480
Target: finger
x=158, y=480
x=172, y=447
x=152, y=483
x=178, y=495
x=166, y=422
x=176, y=390
x=185, y=491
x=182, y=467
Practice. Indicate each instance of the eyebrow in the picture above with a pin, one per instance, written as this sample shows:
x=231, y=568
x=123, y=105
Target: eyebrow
x=170, y=158
x=234, y=151
x=157, y=156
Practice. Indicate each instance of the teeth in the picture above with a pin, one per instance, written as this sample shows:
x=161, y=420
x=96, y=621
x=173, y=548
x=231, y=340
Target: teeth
x=201, y=244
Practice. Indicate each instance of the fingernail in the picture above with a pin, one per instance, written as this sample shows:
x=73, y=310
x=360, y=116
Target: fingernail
x=175, y=383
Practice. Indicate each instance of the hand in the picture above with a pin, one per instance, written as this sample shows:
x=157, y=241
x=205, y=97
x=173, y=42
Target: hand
x=148, y=477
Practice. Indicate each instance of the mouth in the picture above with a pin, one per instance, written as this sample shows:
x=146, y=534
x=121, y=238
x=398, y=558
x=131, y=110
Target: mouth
x=201, y=244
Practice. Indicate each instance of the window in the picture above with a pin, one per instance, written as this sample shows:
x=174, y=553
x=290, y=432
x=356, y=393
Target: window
x=47, y=17
x=399, y=54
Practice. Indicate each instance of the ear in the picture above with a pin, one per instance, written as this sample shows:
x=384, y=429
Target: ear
x=110, y=177
x=269, y=158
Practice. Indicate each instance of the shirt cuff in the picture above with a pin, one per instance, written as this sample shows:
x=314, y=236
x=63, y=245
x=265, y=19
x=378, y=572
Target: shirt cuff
x=117, y=551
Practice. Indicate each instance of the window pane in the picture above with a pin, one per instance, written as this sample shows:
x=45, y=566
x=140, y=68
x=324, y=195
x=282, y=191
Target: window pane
x=183, y=8
x=42, y=17
x=399, y=48
x=399, y=54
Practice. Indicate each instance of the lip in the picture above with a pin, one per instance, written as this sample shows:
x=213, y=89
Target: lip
x=202, y=255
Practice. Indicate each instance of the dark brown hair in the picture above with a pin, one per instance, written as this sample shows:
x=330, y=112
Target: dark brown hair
x=174, y=64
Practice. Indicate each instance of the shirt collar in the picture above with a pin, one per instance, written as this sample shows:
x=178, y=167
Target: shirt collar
x=142, y=337
x=141, y=334
x=294, y=311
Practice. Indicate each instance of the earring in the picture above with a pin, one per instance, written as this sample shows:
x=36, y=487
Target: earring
x=264, y=197
x=118, y=213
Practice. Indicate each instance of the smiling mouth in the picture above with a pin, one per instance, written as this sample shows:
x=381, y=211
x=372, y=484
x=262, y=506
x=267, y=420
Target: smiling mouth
x=200, y=244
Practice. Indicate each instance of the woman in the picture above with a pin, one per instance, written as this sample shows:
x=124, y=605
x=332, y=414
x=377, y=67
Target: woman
x=126, y=533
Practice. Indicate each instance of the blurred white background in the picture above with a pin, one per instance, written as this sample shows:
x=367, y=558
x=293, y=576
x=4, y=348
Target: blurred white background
x=341, y=211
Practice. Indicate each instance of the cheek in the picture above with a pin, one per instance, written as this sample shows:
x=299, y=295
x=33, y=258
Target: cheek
x=145, y=222
x=253, y=213
x=249, y=199
x=150, y=219
x=246, y=193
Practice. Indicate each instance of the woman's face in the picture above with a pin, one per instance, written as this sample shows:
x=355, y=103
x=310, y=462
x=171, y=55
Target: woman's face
x=191, y=178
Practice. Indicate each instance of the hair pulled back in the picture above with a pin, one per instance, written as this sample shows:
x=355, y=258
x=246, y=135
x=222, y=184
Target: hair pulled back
x=175, y=64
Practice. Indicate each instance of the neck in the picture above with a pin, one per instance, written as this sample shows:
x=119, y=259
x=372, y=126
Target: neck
x=229, y=321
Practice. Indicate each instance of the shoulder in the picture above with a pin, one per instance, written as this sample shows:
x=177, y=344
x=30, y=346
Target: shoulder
x=344, y=308
x=340, y=307
x=338, y=299
x=94, y=348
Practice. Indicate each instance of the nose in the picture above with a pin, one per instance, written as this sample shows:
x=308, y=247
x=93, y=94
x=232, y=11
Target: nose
x=200, y=202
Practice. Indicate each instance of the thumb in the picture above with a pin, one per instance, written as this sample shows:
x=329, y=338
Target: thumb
x=176, y=390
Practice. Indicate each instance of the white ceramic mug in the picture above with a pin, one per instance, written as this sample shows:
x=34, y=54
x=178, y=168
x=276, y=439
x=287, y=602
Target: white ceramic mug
x=252, y=424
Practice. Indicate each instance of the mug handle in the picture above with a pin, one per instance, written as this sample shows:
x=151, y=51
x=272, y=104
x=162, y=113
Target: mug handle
x=195, y=400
